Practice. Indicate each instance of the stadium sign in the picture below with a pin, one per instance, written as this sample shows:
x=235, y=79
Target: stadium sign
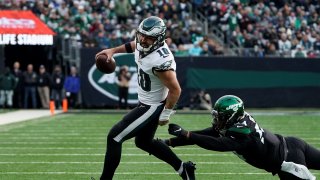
x=107, y=84
x=25, y=39
x=23, y=28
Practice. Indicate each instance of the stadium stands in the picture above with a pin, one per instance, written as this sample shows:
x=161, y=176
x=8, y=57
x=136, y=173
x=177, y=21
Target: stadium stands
x=258, y=28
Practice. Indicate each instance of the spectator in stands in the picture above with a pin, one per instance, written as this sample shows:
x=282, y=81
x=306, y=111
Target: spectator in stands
x=316, y=44
x=271, y=50
x=201, y=100
x=172, y=46
x=305, y=43
x=17, y=94
x=103, y=41
x=44, y=81
x=182, y=51
x=122, y=10
x=57, y=86
x=195, y=50
x=7, y=86
x=114, y=40
x=123, y=86
x=300, y=53
x=30, y=85
x=72, y=87
x=284, y=45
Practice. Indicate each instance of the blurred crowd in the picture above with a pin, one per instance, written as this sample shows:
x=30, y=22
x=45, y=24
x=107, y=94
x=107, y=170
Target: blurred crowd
x=35, y=88
x=109, y=23
x=287, y=28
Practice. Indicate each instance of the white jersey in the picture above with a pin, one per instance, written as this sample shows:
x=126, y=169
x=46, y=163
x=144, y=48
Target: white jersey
x=151, y=90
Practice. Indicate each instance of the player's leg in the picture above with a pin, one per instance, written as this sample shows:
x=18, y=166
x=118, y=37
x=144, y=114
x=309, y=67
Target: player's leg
x=145, y=141
x=312, y=157
x=295, y=166
x=123, y=130
x=287, y=176
x=180, y=141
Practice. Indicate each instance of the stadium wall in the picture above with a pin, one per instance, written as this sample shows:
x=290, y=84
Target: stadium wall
x=261, y=82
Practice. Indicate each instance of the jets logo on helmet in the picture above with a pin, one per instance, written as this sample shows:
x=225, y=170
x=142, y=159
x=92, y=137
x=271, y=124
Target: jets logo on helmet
x=234, y=107
x=227, y=111
x=153, y=28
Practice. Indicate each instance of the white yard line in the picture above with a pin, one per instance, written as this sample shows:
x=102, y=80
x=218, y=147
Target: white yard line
x=102, y=154
x=127, y=173
x=82, y=148
x=130, y=173
x=24, y=115
x=90, y=162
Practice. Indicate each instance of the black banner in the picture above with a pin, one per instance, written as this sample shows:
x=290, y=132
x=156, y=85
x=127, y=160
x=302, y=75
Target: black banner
x=260, y=82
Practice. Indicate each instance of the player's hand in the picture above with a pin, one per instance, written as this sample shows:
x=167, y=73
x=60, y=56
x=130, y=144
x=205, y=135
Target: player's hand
x=177, y=130
x=107, y=52
x=163, y=122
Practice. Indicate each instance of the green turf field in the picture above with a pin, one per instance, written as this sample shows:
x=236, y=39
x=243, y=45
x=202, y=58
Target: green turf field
x=72, y=146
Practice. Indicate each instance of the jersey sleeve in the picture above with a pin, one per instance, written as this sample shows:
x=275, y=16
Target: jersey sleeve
x=165, y=66
x=217, y=143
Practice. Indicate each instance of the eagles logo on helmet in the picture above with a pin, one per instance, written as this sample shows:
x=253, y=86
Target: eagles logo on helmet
x=153, y=28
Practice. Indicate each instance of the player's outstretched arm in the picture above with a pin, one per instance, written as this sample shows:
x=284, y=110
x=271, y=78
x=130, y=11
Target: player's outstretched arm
x=181, y=141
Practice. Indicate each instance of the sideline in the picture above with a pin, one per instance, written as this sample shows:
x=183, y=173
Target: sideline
x=24, y=115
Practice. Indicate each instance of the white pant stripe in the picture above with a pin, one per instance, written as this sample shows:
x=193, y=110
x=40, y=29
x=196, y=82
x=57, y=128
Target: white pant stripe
x=135, y=124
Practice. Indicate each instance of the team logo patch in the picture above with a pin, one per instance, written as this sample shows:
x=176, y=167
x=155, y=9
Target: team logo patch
x=165, y=66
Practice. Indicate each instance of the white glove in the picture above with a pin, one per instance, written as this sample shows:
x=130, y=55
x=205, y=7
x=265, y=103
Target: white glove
x=165, y=114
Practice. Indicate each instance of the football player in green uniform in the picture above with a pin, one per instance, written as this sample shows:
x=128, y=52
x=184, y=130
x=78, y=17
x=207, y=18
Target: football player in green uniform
x=235, y=130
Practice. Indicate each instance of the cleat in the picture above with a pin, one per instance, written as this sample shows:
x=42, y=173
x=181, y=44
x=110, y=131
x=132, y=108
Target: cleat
x=188, y=171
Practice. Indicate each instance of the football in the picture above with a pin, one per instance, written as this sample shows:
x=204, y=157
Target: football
x=104, y=66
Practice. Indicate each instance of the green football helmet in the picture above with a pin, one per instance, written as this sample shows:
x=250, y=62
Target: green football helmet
x=153, y=29
x=227, y=111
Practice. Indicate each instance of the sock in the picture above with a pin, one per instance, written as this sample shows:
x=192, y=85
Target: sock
x=180, y=169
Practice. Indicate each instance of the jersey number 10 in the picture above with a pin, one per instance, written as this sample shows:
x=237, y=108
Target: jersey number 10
x=144, y=80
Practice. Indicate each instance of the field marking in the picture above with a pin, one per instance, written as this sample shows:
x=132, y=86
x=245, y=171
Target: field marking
x=82, y=148
x=99, y=154
x=125, y=173
x=68, y=143
x=102, y=163
x=92, y=138
x=130, y=173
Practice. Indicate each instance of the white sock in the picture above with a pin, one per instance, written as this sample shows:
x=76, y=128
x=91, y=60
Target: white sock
x=181, y=168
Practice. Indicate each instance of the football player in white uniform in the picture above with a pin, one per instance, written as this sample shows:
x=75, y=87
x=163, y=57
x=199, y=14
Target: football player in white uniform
x=158, y=92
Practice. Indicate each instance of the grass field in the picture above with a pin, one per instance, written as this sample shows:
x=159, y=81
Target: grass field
x=72, y=146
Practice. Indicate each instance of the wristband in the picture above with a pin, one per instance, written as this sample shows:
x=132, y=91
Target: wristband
x=128, y=47
x=165, y=114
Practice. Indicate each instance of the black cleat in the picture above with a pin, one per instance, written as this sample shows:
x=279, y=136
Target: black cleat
x=188, y=171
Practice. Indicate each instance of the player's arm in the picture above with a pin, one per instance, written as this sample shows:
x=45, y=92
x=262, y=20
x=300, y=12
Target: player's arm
x=181, y=141
x=216, y=143
x=125, y=48
x=209, y=142
x=169, y=79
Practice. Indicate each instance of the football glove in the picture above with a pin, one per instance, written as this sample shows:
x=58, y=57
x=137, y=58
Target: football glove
x=165, y=114
x=176, y=130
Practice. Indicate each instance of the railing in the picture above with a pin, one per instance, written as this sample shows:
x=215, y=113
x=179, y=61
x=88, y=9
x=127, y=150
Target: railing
x=70, y=51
